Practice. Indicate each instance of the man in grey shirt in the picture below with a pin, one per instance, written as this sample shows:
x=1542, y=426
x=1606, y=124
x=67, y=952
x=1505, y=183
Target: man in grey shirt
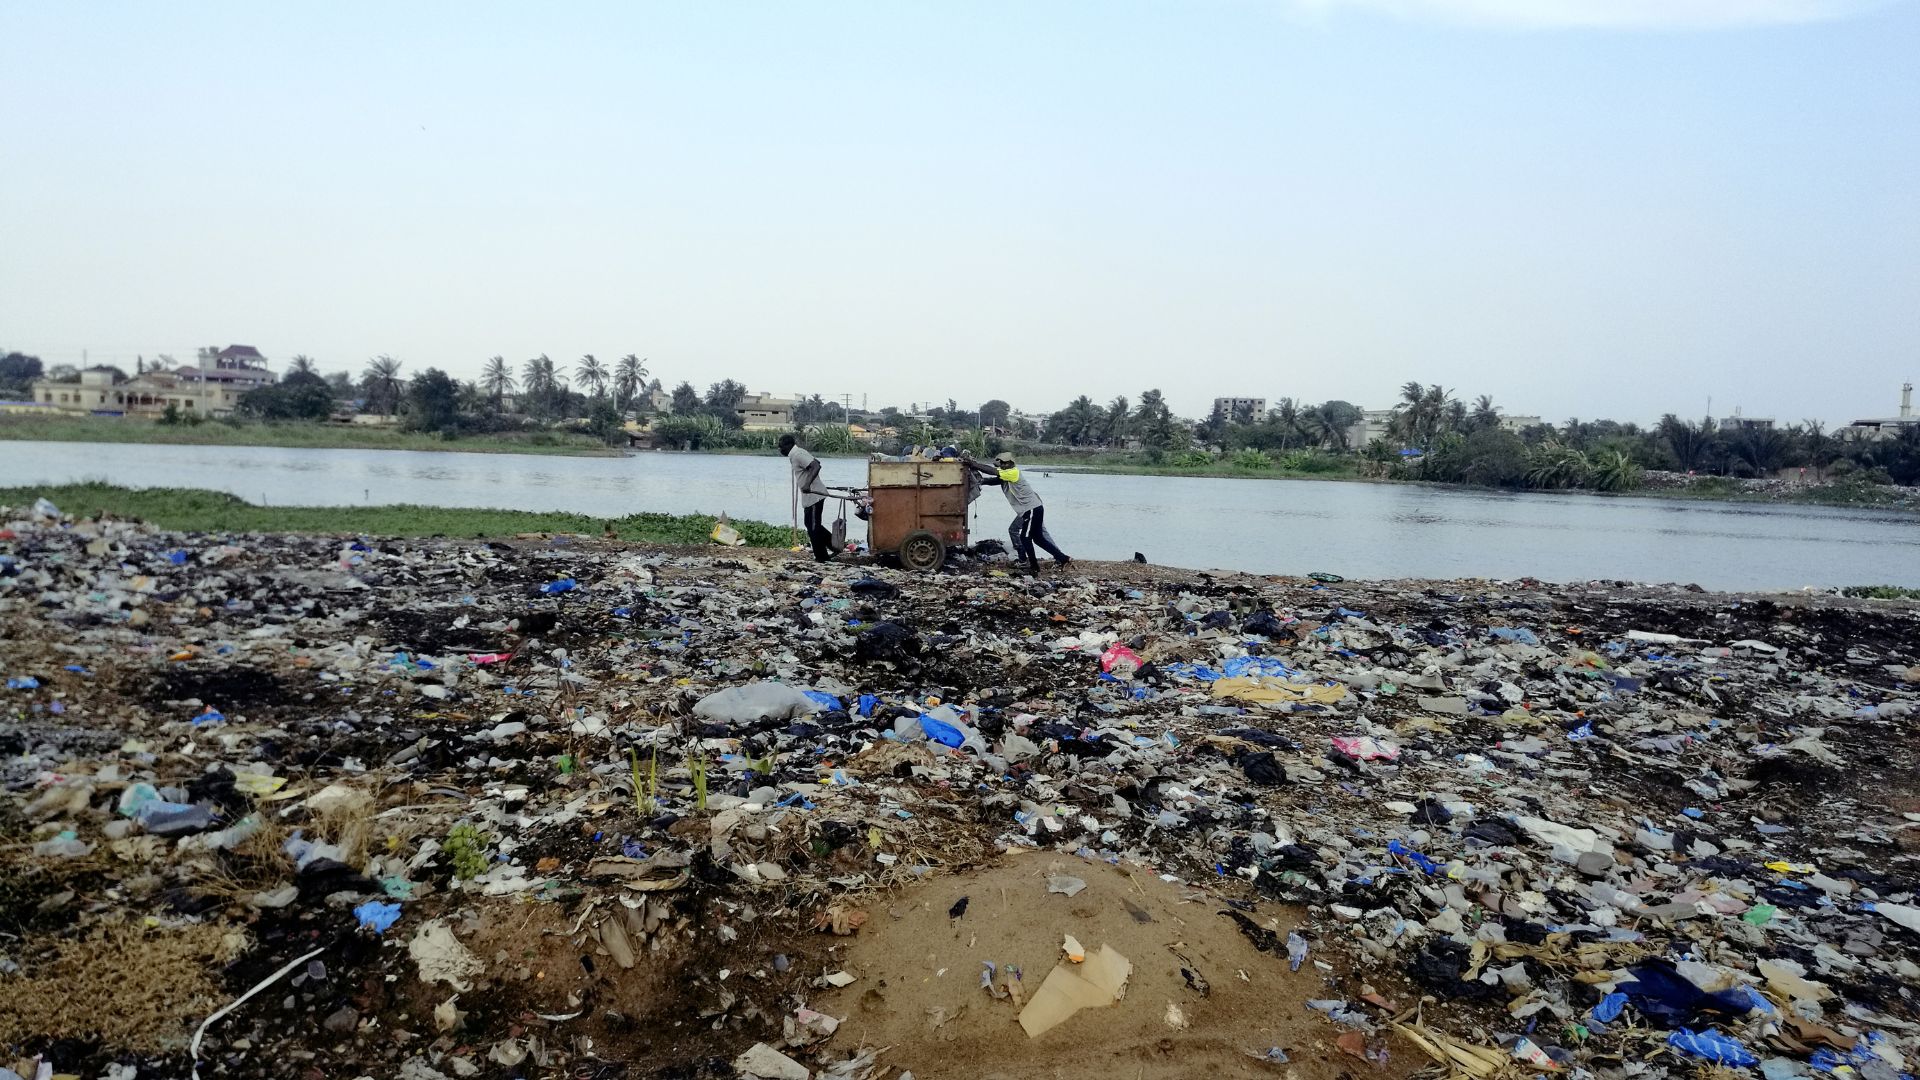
x=813, y=495
x=1029, y=526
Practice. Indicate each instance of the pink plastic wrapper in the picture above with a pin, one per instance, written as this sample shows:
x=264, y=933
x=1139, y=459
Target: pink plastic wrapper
x=1365, y=748
x=1120, y=661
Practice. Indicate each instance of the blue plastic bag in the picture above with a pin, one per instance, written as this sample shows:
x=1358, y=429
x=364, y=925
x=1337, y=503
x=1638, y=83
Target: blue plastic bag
x=377, y=915
x=1610, y=1007
x=867, y=703
x=1241, y=666
x=941, y=732
x=565, y=584
x=1712, y=1046
x=823, y=699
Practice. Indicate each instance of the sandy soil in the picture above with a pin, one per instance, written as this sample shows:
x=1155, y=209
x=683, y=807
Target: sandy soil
x=919, y=983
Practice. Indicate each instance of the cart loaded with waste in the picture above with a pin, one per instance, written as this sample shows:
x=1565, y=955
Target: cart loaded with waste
x=919, y=511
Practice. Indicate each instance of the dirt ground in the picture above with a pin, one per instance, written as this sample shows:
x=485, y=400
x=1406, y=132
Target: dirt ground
x=918, y=988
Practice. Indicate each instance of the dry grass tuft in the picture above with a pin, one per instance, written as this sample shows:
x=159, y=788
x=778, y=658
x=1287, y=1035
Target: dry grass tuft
x=127, y=987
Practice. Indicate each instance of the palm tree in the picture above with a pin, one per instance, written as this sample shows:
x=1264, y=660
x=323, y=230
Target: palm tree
x=1484, y=414
x=1115, y=423
x=1456, y=415
x=1286, y=416
x=497, y=379
x=1692, y=444
x=1079, y=422
x=593, y=374
x=1153, y=406
x=381, y=384
x=538, y=379
x=1764, y=451
x=302, y=364
x=1424, y=412
x=471, y=397
x=1320, y=427
x=629, y=378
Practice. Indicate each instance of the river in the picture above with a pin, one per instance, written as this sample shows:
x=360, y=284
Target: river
x=1264, y=526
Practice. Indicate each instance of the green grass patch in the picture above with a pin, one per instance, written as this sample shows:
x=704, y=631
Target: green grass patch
x=296, y=434
x=1881, y=592
x=199, y=510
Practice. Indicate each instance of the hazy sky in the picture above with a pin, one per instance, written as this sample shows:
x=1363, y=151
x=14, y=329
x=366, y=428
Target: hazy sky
x=1584, y=207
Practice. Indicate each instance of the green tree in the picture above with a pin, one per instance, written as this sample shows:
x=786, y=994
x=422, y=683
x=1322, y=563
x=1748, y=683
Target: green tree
x=723, y=402
x=994, y=414
x=629, y=379
x=592, y=374
x=302, y=395
x=686, y=400
x=1692, y=444
x=301, y=364
x=496, y=378
x=17, y=372
x=1760, y=451
x=433, y=402
x=1117, y=423
x=382, y=385
x=1484, y=414
x=1287, y=421
x=1078, y=424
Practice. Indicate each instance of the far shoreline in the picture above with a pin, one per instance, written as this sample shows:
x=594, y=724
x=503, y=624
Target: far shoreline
x=311, y=436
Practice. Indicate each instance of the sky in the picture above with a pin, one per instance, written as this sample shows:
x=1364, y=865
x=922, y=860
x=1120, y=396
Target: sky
x=1585, y=208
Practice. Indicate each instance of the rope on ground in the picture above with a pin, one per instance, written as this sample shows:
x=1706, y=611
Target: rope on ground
x=193, y=1050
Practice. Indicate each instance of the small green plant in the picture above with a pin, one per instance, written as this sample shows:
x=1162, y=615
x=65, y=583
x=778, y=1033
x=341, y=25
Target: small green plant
x=1251, y=458
x=645, y=794
x=467, y=847
x=1192, y=459
x=697, y=765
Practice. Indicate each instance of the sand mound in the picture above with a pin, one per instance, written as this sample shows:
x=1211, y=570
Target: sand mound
x=918, y=988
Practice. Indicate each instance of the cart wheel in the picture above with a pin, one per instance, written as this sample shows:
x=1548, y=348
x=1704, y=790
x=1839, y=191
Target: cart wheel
x=922, y=551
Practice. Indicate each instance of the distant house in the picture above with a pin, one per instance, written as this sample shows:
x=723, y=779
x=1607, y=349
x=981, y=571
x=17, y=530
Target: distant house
x=1230, y=407
x=764, y=412
x=1737, y=422
x=1518, y=424
x=1373, y=424
x=212, y=387
x=1889, y=427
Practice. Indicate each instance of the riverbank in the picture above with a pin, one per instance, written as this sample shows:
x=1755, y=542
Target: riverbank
x=421, y=791
x=306, y=436
x=198, y=510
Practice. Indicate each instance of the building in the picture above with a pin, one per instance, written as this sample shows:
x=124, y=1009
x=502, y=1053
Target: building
x=1891, y=426
x=1737, y=422
x=764, y=412
x=211, y=387
x=1373, y=424
x=1253, y=408
x=1518, y=424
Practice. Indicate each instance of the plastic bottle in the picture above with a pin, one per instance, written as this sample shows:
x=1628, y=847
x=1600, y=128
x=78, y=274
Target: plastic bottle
x=1296, y=950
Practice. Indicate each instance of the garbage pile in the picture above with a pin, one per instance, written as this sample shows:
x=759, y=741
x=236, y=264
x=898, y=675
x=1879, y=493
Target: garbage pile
x=281, y=805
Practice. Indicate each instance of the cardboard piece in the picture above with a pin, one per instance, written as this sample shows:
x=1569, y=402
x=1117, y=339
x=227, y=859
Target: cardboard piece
x=1069, y=987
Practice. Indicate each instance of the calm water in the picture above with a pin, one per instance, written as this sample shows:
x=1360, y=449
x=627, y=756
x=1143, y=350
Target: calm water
x=1268, y=526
